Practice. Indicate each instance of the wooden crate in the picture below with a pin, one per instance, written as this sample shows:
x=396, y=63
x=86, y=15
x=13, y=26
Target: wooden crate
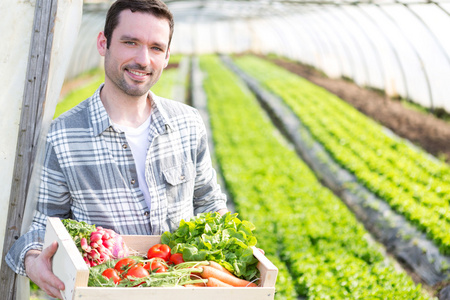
x=69, y=266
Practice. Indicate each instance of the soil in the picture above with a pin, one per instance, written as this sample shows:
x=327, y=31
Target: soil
x=424, y=130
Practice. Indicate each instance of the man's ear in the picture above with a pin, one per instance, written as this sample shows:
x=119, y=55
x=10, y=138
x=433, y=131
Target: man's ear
x=167, y=58
x=101, y=43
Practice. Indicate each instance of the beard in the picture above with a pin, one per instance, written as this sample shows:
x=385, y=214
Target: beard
x=135, y=89
x=129, y=86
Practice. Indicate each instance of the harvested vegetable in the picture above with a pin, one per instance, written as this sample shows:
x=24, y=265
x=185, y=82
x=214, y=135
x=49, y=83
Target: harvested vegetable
x=112, y=274
x=211, y=273
x=157, y=265
x=176, y=258
x=213, y=282
x=219, y=267
x=212, y=237
x=124, y=264
x=159, y=250
x=95, y=244
x=133, y=275
x=136, y=271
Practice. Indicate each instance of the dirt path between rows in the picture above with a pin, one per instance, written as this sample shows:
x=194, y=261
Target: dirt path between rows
x=423, y=130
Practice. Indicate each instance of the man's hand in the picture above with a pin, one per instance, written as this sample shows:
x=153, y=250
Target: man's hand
x=222, y=211
x=38, y=266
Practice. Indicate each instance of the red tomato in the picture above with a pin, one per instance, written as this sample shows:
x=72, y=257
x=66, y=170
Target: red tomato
x=137, y=271
x=157, y=265
x=124, y=263
x=159, y=250
x=176, y=258
x=111, y=273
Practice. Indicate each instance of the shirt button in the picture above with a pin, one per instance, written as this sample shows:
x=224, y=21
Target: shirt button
x=146, y=213
x=133, y=181
x=182, y=177
x=124, y=146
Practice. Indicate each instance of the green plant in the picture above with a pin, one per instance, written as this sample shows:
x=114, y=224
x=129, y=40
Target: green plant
x=405, y=177
x=320, y=244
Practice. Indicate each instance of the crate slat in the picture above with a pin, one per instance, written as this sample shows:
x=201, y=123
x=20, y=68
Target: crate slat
x=68, y=264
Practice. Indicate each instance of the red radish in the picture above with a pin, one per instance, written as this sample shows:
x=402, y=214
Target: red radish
x=95, y=236
x=119, y=248
x=84, y=244
x=108, y=243
x=96, y=244
x=106, y=236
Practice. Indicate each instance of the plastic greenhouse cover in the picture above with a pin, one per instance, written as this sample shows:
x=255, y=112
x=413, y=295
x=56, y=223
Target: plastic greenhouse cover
x=371, y=41
x=289, y=41
x=303, y=40
x=85, y=55
x=334, y=56
x=428, y=50
x=388, y=64
x=202, y=38
x=271, y=42
x=182, y=41
x=360, y=46
x=306, y=36
x=437, y=23
x=410, y=65
x=323, y=52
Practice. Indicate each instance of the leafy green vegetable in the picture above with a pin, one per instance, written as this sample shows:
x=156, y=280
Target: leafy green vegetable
x=224, y=239
x=78, y=230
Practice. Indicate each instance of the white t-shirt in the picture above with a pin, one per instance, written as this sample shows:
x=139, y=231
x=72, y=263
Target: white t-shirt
x=138, y=141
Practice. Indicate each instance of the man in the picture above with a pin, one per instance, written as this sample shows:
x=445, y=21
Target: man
x=124, y=159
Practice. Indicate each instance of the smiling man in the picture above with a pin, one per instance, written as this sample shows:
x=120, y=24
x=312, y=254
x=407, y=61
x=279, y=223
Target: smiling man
x=124, y=159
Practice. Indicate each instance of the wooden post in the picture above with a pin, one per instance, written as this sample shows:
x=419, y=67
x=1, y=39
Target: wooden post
x=30, y=125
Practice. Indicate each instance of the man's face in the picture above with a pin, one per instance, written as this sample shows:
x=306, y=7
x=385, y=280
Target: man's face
x=138, y=52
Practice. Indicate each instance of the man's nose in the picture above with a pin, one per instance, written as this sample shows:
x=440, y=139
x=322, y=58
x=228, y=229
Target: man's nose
x=143, y=57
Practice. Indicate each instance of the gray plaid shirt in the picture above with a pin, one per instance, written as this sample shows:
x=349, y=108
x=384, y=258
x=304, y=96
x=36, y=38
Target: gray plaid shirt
x=89, y=174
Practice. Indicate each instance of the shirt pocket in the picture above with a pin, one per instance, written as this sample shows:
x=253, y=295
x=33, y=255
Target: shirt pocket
x=179, y=192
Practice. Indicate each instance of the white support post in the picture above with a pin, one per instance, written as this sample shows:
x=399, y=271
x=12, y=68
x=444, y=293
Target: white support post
x=34, y=67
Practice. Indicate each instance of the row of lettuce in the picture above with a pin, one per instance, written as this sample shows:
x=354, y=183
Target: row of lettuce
x=321, y=250
x=413, y=184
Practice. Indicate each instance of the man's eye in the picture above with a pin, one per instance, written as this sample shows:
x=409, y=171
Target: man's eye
x=157, y=49
x=130, y=43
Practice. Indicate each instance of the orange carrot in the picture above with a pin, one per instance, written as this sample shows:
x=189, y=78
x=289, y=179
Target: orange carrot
x=209, y=272
x=199, y=284
x=219, y=267
x=213, y=282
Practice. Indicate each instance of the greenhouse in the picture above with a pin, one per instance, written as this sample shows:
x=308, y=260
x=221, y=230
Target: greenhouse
x=327, y=126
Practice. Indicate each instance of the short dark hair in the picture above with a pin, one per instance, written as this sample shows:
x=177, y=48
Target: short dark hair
x=155, y=7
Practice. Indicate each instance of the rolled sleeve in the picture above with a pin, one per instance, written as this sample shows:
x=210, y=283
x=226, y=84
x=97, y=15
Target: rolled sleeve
x=15, y=258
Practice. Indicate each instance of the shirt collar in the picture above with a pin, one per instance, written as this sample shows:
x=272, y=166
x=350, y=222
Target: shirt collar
x=101, y=121
x=161, y=114
x=99, y=117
